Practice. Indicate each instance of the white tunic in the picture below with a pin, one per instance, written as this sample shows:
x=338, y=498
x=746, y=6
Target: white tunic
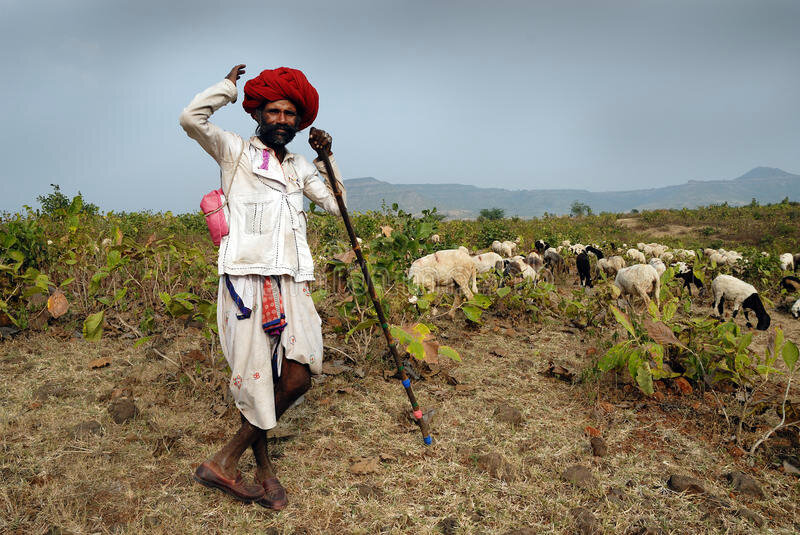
x=265, y=206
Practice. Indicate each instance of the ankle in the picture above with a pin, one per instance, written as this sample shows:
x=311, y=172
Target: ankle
x=226, y=466
x=264, y=473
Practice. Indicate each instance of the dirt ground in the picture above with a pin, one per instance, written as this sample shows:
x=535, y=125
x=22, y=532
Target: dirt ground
x=505, y=433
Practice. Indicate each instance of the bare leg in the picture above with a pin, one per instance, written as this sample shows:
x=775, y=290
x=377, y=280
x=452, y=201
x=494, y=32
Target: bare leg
x=228, y=457
x=295, y=380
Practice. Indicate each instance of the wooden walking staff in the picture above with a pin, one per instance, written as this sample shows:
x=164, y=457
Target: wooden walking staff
x=323, y=155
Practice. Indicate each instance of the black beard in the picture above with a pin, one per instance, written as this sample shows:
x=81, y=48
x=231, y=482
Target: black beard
x=269, y=135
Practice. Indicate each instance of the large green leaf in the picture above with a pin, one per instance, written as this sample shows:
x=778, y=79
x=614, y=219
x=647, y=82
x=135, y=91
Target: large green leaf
x=448, y=351
x=480, y=300
x=790, y=354
x=644, y=378
x=472, y=313
x=93, y=326
x=623, y=320
x=503, y=291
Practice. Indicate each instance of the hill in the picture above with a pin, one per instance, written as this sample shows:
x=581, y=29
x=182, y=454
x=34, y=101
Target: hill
x=765, y=184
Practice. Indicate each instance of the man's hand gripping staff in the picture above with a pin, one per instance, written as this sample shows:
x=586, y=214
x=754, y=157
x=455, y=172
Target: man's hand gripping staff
x=320, y=141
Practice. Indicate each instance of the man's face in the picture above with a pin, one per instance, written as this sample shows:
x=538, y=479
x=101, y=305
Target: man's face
x=277, y=122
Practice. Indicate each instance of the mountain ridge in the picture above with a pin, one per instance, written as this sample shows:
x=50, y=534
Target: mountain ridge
x=461, y=201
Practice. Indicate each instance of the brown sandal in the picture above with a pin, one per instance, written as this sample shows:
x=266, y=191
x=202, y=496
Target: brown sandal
x=208, y=475
x=274, y=495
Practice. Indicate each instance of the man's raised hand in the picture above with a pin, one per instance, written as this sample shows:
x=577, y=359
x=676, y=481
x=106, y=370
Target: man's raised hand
x=236, y=73
x=320, y=140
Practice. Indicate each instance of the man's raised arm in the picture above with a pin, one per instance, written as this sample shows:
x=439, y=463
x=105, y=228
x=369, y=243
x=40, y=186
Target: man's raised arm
x=221, y=145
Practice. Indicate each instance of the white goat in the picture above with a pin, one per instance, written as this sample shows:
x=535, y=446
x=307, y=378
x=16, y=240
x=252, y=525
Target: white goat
x=486, y=261
x=639, y=280
x=743, y=295
x=444, y=269
x=636, y=256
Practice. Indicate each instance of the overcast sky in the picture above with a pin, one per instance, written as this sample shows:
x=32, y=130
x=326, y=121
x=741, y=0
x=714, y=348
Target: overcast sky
x=601, y=95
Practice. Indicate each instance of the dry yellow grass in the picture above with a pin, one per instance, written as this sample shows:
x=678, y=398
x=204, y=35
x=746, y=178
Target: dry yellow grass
x=135, y=477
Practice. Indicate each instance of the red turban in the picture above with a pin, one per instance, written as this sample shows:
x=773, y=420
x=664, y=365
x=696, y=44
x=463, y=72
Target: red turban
x=279, y=84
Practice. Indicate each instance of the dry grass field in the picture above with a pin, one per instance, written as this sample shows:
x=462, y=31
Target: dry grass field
x=505, y=433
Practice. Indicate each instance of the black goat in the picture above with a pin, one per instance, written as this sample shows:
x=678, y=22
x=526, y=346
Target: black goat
x=584, y=269
x=541, y=246
x=790, y=284
x=689, y=278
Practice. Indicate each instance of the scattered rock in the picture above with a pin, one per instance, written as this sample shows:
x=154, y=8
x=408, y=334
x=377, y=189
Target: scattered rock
x=152, y=521
x=585, y=521
x=524, y=365
x=522, y=531
x=365, y=465
x=791, y=466
x=599, y=448
x=509, y=415
x=580, y=476
x=750, y=515
x=122, y=410
x=369, y=491
x=679, y=483
x=448, y=525
x=559, y=372
x=744, y=484
x=86, y=429
x=615, y=495
x=682, y=385
x=494, y=465
x=50, y=389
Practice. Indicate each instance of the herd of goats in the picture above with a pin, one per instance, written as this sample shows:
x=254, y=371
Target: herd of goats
x=456, y=268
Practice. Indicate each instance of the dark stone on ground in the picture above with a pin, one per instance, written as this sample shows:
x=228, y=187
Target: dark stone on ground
x=580, y=476
x=750, y=515
x=615, y=495
x=509, y=415
x=497, y=467
x=524, y=365
x=599, y=448
x=687, y=484
x=744, y=484
x=448, y=525
x=86, y=429
x=585, y=521
x=122, y=410
x=50, y=388
x=369, y=491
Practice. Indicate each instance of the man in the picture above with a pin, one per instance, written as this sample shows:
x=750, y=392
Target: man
x=269, y=329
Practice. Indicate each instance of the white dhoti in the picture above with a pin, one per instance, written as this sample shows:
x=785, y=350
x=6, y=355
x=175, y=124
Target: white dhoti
x=248, y=349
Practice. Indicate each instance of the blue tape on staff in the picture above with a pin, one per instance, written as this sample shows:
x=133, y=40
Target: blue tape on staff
x=428, y=440
x=406, y=382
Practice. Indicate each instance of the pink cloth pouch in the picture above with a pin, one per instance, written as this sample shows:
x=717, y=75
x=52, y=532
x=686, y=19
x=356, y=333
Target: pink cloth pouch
x=212, y=206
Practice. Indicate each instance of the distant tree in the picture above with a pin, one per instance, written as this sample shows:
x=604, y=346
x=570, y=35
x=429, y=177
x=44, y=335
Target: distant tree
x=579, y=209
x=53, y=202
x=491, y=214
x=753, y=202
x=634, y=211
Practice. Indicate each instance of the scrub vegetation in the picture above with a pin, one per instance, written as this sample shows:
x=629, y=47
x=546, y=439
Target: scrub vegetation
x=554, y=408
